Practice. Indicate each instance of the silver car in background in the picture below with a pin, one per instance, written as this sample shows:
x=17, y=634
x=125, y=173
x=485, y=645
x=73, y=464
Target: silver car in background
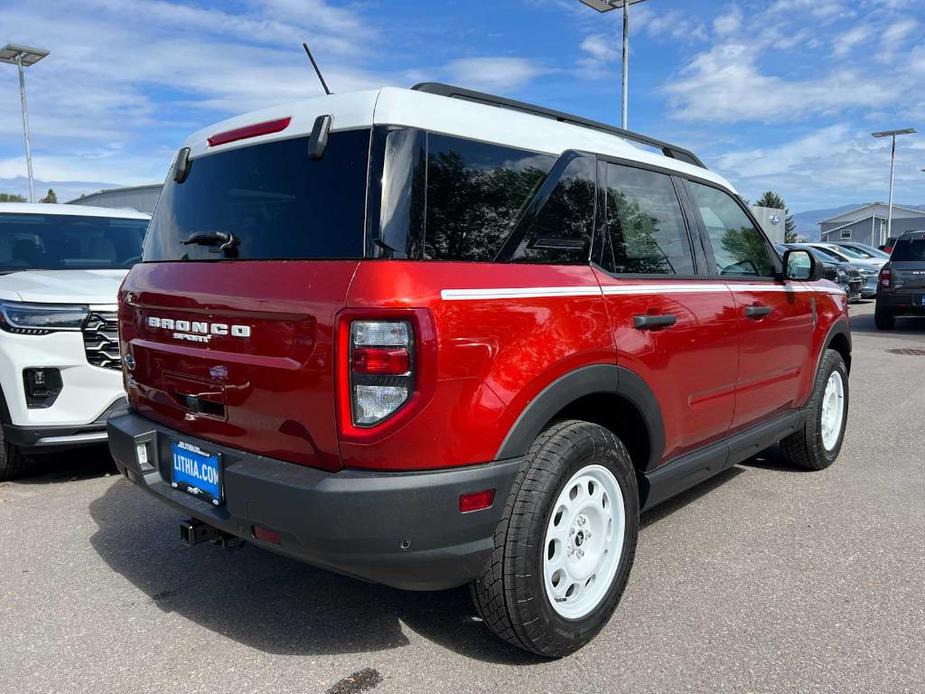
x=869, y=268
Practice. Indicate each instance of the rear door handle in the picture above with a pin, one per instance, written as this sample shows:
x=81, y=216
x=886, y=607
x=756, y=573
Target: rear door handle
x=653, y=322
x=757, y=311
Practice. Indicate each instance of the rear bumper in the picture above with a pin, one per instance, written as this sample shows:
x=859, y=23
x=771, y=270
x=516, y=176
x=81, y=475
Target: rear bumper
x=908, y=304
x=353, y=522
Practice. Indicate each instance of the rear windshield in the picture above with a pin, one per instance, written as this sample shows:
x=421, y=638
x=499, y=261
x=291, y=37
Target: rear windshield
x=910, y=249
x=68, y=242
x=275, y=201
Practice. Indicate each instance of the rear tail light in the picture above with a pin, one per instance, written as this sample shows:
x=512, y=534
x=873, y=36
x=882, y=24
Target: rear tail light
x=886, y=277
x=386, y=367
x=381, y=369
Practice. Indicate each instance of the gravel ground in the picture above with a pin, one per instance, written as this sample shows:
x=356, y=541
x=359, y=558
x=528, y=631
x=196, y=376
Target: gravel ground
x=764, y=579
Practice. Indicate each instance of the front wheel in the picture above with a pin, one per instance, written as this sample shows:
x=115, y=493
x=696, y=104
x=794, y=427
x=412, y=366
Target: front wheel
x=12, y=461
x=817, y=444
x=565, y=546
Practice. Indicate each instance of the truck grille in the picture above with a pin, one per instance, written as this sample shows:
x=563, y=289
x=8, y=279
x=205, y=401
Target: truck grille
x=101, y=340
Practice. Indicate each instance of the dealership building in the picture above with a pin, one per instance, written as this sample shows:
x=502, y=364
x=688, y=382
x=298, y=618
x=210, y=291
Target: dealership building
x=867, y=224
x=141, y=198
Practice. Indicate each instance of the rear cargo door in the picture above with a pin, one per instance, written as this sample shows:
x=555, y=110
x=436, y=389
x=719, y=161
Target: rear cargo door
x=229, y=317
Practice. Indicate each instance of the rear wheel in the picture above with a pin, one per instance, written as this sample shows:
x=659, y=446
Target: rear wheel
x=884, y=320
x=564, y=549
x=817, y=444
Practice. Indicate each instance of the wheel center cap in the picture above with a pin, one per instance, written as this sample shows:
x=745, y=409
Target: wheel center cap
x=580, y=538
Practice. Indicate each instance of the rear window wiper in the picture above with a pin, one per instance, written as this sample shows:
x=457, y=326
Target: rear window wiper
x=220, y=241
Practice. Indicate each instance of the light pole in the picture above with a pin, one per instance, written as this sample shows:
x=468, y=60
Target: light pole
x=607, y=6
x=889, y=212
x=23, y=57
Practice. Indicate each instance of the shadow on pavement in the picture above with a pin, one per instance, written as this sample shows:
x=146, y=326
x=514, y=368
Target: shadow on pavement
x=282, y=606
x=85, y=462
x=905, y=325
x=272, y=603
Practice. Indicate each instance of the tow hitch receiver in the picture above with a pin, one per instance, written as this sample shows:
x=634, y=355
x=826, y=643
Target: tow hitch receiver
x=193, y=531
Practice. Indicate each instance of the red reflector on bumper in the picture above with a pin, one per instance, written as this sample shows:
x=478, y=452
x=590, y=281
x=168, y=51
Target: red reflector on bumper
x=265, y=128
x=267, y=535
x=476, y=501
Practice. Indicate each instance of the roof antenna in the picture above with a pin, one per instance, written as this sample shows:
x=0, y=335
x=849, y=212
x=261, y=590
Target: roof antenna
x=317, y=69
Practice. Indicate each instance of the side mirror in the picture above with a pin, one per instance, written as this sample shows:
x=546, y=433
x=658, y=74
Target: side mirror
x=802, y=266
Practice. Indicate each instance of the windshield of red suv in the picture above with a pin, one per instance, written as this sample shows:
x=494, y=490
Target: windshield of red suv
x=910, y=248
x=271, y=198
x=68, y=242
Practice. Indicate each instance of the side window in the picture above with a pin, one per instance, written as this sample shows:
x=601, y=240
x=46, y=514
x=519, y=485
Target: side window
x=475, y=192
x=561, y=230
x=645, y=228
x=739, y=248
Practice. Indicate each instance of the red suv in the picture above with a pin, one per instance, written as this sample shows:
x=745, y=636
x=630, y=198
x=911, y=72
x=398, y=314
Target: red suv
x=434, y=337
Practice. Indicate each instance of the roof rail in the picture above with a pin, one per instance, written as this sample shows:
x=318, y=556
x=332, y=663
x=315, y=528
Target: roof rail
x=668, y=150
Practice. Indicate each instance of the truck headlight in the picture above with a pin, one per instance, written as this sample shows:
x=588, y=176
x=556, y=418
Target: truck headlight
x=41, y=319
x=842, y=275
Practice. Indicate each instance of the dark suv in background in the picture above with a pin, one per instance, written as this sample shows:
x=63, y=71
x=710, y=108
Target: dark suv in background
x=901, y=290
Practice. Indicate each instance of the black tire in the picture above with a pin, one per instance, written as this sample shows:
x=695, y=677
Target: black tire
x=510, y=596
x=805, y=448
x=12, y=462
x=884, y=320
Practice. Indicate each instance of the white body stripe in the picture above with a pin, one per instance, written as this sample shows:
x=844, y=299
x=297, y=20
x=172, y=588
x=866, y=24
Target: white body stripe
x=517, y=293
x=623, y=289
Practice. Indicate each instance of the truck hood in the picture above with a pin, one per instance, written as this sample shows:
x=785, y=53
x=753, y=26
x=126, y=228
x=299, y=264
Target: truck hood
x=62, y=286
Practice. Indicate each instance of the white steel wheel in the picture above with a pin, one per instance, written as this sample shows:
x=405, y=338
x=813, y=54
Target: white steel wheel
x=583, y=542
x=832, y=412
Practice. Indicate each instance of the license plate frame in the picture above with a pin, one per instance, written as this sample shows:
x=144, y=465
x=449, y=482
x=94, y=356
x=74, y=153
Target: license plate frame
x=197, y=472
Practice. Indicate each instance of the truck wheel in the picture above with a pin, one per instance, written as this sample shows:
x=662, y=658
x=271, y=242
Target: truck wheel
x=565, y=546
x=12, y=461
x=884, y=320
x=817, y=444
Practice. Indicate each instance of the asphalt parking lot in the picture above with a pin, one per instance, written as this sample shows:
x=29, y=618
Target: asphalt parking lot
x=765, y=579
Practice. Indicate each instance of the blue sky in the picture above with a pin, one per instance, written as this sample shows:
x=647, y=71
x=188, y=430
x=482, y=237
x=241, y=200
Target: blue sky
x=774, y=94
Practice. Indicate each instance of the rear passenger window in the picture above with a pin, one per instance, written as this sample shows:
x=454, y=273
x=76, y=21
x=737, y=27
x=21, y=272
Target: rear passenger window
x=739, y=248
x=645, y=228
x=560, y=233
x=475, y=192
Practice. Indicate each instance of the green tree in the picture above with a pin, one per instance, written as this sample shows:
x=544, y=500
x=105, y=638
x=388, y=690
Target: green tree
x=772, y=199
x=51, y=197
x=11, y=197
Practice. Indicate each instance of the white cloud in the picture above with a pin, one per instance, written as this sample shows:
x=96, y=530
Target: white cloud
x=668, y=25
x=899, y=30
x=820, y=165
x=493, y=73
x=127, y=80
x=846, y=42
x=725, y=85
x=600, y=47
x=729, y=23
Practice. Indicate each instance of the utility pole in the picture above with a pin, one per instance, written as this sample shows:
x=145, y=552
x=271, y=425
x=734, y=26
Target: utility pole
x=22, y=57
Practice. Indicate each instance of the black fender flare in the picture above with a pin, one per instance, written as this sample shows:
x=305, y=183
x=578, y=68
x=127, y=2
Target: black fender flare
x=608, y=379
x=840, y=327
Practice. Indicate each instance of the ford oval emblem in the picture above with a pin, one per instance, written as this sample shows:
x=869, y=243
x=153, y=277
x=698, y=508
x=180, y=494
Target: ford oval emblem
x=129, y=361
x=775, y=219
